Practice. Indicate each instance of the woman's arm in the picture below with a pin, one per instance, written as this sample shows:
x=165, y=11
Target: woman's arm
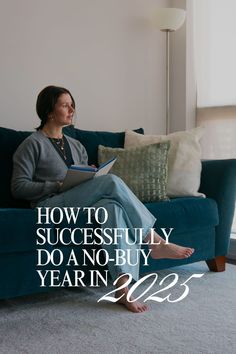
x=23, y=185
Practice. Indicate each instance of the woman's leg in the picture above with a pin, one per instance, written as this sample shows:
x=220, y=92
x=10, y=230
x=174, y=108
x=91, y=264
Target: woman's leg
x=108, y=187
x=97, y=191
x=125, y=211
x=118, y=218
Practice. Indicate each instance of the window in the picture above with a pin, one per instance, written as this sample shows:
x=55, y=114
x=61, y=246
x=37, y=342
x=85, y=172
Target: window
x=215, y=58
x=215, y=51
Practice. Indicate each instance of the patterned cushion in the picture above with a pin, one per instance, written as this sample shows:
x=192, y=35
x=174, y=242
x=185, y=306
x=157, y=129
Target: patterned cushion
x=143, y=169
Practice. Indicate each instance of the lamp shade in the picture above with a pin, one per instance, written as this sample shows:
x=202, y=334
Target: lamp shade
x=169, y=19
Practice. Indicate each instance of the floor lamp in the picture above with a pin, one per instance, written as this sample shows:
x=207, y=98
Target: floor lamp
x=168, y=20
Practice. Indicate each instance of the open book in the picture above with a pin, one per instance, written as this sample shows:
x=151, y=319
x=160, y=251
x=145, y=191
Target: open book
x=77, y=174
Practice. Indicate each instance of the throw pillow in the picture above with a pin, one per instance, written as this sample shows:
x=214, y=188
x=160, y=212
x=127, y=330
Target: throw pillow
x=143, y=169
x=184, y=159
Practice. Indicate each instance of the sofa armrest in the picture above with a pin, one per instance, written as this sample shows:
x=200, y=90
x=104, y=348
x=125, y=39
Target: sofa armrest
x=218, y=181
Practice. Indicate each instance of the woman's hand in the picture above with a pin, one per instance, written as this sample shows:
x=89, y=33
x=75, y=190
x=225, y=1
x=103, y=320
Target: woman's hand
x=59, y=183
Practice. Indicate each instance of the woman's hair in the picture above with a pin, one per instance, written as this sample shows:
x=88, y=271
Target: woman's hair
x=47, y=100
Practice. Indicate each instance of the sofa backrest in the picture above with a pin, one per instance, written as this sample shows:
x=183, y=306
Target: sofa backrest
x=91, y=140
x=10, y=139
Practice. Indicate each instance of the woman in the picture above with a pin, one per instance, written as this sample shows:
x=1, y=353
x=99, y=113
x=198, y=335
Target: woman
x=41, y=163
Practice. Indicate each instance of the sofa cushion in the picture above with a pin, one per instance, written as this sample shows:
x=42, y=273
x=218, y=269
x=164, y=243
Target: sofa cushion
x=18, y=230
x=185, y=214
x=21, y=235
x=91, y=140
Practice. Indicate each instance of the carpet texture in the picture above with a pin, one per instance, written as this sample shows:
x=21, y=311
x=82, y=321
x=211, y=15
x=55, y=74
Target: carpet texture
x=71, y=321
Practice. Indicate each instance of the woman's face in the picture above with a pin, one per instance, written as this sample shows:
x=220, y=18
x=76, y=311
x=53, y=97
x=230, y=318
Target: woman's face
x=63, y=111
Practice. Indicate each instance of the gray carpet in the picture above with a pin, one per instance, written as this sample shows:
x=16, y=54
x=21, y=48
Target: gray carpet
x=72, y=322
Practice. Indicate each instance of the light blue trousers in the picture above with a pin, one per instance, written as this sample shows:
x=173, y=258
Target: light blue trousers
x=124, y=211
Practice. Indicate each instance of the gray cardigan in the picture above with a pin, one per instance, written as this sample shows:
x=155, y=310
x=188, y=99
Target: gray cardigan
x=37, y=167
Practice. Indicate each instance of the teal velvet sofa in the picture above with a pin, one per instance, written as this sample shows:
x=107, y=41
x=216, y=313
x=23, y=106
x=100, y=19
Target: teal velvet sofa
x=201, y=223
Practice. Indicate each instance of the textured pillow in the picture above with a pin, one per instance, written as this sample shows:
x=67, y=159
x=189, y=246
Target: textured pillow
x=184, y=159
x=143, y=169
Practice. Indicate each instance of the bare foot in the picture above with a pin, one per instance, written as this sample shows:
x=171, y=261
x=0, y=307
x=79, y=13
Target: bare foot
x=170, y=250
x=135, y=306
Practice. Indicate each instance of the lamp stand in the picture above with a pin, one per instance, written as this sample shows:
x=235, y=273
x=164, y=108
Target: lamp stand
x=167, y=81
x=169, y=20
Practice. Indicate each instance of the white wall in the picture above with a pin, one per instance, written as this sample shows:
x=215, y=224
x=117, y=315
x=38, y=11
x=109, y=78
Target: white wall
x=104, y=51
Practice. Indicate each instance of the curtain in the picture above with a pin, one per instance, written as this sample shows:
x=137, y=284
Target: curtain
x=219, y=140
x=215, y=52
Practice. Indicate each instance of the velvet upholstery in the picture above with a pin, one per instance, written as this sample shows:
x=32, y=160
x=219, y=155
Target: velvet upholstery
x=91, y=140
x=201, y=223
x=218, y=181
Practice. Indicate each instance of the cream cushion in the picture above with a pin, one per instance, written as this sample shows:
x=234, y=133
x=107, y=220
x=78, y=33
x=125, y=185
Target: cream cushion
x=184, y=159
